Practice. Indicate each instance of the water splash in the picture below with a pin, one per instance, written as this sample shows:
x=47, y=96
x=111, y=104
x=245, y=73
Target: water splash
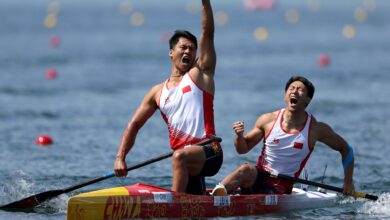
x=55, y=205
x=379, y=207
x=18, y=186
x=350, y=200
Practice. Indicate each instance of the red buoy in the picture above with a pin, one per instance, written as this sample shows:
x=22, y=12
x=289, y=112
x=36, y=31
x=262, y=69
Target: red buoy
x=51, y=73
x=54, y=41
x=323, y=60
x=43, y=140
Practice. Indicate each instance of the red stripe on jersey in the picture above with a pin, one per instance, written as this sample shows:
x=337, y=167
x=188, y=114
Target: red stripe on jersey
x=269, y=132
x=179, y=139
x=208, y=114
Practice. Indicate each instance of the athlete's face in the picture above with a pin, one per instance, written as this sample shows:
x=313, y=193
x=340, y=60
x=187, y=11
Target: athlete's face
x=296, y=96
x=183, y=55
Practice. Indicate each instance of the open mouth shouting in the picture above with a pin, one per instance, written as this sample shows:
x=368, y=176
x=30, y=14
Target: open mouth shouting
x=293, y=101
x=185, y=60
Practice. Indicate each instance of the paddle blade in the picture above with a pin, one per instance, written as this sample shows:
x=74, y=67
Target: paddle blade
x=366, y=196
x=32, y=201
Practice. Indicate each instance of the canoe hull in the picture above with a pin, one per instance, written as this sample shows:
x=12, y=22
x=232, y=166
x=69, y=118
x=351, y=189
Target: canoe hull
x=147, y=201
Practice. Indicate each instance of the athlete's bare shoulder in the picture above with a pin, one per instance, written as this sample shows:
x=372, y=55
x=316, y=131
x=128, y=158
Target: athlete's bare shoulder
x=270, y=116
x=158, y=87
x=154, y=93
x=267, y=118
x=322, y=129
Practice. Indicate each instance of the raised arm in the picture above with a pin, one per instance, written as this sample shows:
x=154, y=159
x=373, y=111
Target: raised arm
x=207, y=56
x=204, y=70
x=327, y=136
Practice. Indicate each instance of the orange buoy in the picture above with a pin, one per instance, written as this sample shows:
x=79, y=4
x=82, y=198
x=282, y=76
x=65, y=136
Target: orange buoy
x=43, y=140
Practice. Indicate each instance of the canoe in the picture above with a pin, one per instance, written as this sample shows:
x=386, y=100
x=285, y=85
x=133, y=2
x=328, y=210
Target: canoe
x=148, y=201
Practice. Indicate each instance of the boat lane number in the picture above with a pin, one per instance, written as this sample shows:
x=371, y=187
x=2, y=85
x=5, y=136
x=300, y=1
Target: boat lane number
x=271, y=200
x=221, y=200
x=162, y=197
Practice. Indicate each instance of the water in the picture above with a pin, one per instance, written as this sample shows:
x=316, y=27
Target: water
x=106, y=65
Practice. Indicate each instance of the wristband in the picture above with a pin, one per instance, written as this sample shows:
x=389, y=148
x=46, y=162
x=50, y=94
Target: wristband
x=348, y=160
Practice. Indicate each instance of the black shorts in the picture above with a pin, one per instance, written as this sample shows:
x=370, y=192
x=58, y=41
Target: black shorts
x=214, y=158
x=265, y=184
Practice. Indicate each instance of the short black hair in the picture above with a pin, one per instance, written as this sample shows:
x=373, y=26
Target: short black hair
x=182, y=33
x=306, y=82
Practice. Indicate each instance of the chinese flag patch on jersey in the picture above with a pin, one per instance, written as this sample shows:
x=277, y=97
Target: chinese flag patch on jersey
x=186, y=89
x=298, y=145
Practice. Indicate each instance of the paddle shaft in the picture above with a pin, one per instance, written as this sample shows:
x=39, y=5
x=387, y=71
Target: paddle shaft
x=333, y=188
x=36, y=199
x=162, y=157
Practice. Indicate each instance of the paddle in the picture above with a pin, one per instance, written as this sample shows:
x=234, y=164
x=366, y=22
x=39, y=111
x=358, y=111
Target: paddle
x=333, y=188
x=37, y=199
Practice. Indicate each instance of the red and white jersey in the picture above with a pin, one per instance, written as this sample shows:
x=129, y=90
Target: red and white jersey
x=188, y=112
x=285, y=152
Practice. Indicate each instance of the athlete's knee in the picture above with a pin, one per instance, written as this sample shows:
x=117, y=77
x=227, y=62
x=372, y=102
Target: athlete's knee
x=246, y=175
x=246, y=170
x=179, y=156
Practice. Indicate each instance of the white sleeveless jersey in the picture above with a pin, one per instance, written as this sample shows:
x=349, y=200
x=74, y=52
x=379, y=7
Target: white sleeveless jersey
x=284, y=152
x=188, y=112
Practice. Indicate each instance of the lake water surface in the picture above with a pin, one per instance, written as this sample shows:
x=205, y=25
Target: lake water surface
x=106, y=64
